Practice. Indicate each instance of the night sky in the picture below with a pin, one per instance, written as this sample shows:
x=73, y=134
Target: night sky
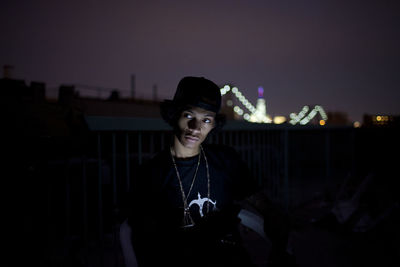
x=343, y=55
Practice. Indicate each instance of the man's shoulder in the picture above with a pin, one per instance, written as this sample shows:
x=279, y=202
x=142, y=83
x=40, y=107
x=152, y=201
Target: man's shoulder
x=219, y=148
x=221, y=151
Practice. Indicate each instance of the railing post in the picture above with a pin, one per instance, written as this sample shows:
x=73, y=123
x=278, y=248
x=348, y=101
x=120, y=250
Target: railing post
x=286, y=168
x=327, y=156
x=263, y=159
x=151, y=137
x=114, y=170
x=353, y=150
x=99, y=188
x=140, y=148
x=128, y=183
x=85, y=202
x=67, y=201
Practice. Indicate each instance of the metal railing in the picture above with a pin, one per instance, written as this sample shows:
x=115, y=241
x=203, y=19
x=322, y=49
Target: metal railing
x=292, y=164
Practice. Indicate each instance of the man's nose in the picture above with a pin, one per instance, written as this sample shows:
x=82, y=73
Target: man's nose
x=194, y=124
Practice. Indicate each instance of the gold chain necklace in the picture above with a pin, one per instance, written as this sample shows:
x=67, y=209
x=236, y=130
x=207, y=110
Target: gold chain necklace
x=187, y=218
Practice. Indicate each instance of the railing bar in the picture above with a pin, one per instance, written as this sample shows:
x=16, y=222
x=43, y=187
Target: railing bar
x=151, y=136
x=114, y=170
x=327, y=156
x=274, y=158
x=67, y=201
x=266, y=159
x=237, y=143
x=247, y=146
x=286, y=168
x=99, y=188
x=128, y=171
x=162, y=140
x=258, y=156
x=251, y=158
x=352, y=148
x=278, y=166
x=140, y=148
x=85, y=201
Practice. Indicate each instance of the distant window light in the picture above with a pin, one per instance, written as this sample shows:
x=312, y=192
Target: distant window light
x=279, y=119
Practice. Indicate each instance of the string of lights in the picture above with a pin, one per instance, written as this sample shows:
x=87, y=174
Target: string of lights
x=303, y=117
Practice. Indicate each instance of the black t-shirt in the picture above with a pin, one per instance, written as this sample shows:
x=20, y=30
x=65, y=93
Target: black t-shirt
x=157, y=212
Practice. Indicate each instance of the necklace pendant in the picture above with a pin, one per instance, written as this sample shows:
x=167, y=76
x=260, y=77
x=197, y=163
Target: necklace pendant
x=187, y=219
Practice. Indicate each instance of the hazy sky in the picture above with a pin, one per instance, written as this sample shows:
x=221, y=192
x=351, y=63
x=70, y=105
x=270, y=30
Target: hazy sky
x=343, y=55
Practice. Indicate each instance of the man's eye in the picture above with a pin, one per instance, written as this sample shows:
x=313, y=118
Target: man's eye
x=187, y=115
x=207, y=120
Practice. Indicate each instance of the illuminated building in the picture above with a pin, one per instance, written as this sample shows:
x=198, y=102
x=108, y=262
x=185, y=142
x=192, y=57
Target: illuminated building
x=381, y=120
x=260, y=114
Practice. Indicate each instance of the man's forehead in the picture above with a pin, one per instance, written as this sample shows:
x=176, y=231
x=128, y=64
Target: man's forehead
x=200, y=111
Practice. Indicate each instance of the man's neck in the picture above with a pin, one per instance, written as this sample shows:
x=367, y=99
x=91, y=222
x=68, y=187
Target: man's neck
x=180, y=151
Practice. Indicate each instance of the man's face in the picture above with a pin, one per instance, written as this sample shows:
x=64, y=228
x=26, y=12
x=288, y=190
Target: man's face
x=194, y=125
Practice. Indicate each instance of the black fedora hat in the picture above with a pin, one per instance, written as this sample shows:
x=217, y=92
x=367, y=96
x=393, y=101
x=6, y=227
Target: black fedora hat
x=193, y=91
x=199, y=92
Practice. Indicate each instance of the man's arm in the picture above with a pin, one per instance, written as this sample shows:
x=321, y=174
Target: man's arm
x=277, y=225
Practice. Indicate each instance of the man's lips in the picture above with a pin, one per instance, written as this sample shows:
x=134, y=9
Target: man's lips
x=192, y=138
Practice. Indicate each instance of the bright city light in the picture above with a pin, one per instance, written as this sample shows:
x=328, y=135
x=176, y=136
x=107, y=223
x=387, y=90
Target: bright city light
x=279, y=119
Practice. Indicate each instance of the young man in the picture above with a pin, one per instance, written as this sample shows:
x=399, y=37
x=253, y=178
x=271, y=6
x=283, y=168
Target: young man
x=185, y=199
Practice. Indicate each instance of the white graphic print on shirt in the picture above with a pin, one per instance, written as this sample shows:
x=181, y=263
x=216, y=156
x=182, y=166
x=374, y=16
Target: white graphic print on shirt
x=200, y=202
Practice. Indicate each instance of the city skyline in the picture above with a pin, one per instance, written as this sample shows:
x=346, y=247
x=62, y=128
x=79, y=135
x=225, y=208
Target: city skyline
x=342, y=56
